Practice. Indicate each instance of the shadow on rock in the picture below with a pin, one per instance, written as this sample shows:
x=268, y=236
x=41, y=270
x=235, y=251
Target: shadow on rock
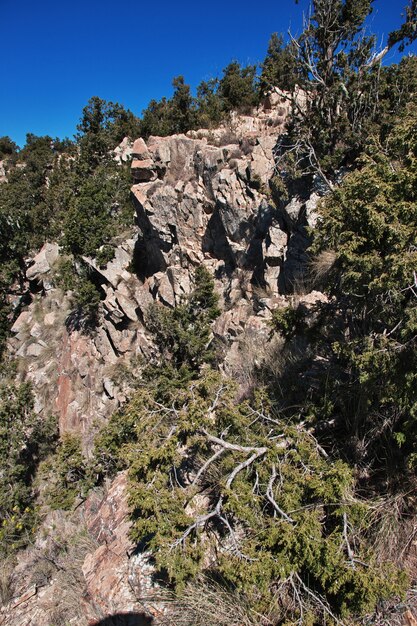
x=126, y=619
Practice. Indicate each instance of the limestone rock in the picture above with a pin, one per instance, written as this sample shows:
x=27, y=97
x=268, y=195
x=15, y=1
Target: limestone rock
x=274, y=245
x=113, y=272
x=21, y=322
x=34, y=349
x=126, y=302
x=311, y=210
x=293, y=209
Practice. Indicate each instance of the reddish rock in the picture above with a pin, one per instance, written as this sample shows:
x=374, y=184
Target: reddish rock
x=143, y=171
x=140, y=150
x=115, y=579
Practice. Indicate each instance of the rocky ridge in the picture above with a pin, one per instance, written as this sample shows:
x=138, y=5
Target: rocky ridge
x=200, y=198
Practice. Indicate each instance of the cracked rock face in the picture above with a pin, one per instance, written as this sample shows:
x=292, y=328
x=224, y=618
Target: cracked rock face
x=210, y=203
x=199, y=198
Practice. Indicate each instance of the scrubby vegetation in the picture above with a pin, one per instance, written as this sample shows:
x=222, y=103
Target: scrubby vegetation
x=278, y=499
x=25, y=440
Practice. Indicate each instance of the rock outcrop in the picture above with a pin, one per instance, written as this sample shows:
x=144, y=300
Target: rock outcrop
x=201, y=198
x=83, y=569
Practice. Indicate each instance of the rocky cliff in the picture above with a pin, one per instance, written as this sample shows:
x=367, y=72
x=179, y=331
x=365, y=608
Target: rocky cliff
x=201, y=198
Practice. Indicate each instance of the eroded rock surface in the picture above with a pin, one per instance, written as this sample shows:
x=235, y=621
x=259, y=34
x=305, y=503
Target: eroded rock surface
x=111, y=578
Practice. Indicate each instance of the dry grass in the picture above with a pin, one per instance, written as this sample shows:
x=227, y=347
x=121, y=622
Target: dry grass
x=256, y=356
x=58, y=559
x=7, y=582
x=69, y=579
x=58, y=617
x=275, y=360
x=302, y=284
x=259, y=292
x=207, y=604
x=394, y=528
x=321, y=265
x=228, y=138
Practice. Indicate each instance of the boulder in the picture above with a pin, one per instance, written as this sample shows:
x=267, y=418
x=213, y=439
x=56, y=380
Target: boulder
x=42, y=263
x=123, y=152
x=143, y=171
x=22, y=322
x=274, y=246
x=140, y=150
x=311, y=210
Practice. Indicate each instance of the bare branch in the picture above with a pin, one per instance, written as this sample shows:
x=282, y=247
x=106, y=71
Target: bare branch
x=245, y=464
x=217, y=398
x=317, y=599
x=203, y=468
x=346, y=538
x=233, y=446
x=270, y=497
x=199, y=522
x=234, y=540
x=375, y=58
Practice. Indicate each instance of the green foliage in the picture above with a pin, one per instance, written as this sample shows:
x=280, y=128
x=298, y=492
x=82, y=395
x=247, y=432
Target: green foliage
x=182, y=106
x=66, y=472
x=237, y=87
x=8, y=148
x=371, y=220
x=212, y=476
x=25, y=440
x=87, y=224
x=184, y=339
x=279, y=68
x=340, y=67
x=371, y=223
x=288, y=321
x=155, y=119
x=167, y=117
x=397, y=88
x=355, y=368
x=65, y=275
x=28, y=211
x=407, y=33
x=87, y=299
x=209, y=104
x=5, y=311
x=183, y=334
x=332, y=52
x=99, y=209
x=22, y=199
x=104, y=255
x=103, y=125
x=111, y=440
x=73, y=277
x=236, y=90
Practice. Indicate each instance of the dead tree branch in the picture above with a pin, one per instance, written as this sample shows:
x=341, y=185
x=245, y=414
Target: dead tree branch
x=270, y=497
x=200, y=521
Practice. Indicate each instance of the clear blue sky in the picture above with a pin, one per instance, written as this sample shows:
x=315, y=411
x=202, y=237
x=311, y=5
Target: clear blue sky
x=56, y=54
